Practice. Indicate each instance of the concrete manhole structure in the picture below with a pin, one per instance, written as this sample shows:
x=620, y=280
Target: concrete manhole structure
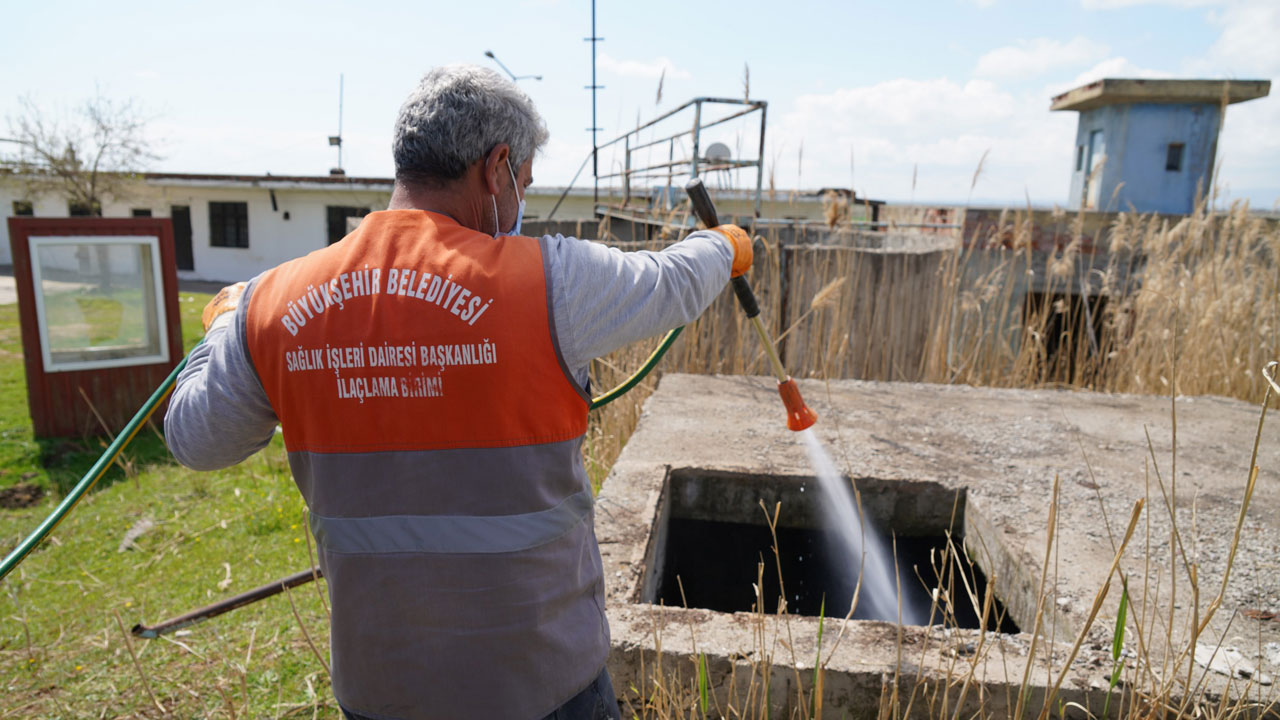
x=683, y=525
x=714, y=531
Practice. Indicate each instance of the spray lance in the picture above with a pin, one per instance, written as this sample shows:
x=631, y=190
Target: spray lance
x=799, y=416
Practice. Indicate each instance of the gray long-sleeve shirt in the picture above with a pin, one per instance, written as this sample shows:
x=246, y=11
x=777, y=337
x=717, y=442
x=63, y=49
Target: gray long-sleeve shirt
x=602, y=299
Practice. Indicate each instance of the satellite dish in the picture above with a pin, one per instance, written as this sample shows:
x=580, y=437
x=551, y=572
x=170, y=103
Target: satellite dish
x=717, y=153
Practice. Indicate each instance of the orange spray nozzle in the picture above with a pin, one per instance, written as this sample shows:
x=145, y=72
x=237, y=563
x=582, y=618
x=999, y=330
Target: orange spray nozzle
x=799, y=416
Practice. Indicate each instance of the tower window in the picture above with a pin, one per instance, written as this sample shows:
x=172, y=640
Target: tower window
x=1173, y=159
x=1079, y=158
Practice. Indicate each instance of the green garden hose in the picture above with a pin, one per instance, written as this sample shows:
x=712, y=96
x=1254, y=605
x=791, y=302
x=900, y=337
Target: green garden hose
x=95, y=473
x=99, y=468
x=638, y=375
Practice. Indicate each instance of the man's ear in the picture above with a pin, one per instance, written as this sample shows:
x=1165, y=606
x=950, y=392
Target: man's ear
x=494, y=164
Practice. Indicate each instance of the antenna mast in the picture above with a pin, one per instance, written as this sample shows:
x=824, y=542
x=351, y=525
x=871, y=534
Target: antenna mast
x=593, y=87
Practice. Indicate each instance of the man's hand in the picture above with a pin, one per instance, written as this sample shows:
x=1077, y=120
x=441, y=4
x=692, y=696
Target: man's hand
x=227, y=299
x=741, y=243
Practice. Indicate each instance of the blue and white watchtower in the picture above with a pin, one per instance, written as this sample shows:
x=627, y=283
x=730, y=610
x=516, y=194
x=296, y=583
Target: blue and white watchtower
x=1148, y=145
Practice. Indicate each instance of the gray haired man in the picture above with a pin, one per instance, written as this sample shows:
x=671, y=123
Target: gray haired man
x=429, y=372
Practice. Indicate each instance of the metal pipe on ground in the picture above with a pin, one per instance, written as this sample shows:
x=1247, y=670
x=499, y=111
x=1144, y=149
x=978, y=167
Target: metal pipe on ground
x=249, y=597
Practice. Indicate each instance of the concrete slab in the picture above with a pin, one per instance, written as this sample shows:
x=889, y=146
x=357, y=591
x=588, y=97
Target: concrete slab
x=1109, y=91
x=1001, y=450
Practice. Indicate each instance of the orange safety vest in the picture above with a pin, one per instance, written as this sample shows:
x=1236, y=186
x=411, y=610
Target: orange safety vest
x=435, y=432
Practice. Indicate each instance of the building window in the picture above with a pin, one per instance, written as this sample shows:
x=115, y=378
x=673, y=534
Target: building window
x=142, y=212
x=1079, y=158
x=1173, y=159
x=23, y=208
x=79, y=209
x=337, y=219
x=229, y=224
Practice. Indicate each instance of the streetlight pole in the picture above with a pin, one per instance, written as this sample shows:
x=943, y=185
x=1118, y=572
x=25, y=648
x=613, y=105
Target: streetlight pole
x=489, y=54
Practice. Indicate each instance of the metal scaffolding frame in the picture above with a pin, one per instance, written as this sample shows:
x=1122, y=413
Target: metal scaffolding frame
x=673, y=167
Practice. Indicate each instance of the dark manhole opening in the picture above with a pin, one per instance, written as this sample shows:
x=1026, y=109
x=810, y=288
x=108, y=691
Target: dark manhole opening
x=710, y=544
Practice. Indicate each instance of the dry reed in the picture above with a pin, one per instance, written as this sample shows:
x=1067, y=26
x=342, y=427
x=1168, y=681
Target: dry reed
x=1147, y=305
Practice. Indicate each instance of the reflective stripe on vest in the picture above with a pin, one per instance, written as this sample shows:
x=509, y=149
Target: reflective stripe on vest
x=436, y=435
x=450, y=533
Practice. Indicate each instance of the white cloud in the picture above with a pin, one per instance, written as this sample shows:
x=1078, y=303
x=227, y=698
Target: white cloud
x=1250, y=39
x=559, y=159
x=940, y=125
x=961, y=151
x=903, y=106
x=1247, y=45
x=1114, y=4
x=650, y=70
x=1037, y=56
x=1116, y=67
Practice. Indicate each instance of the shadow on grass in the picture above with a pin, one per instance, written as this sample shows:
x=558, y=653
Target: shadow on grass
x=68, y=459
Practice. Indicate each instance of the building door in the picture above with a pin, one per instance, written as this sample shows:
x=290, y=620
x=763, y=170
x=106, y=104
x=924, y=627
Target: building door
x=1093, y=175
x=180, y=216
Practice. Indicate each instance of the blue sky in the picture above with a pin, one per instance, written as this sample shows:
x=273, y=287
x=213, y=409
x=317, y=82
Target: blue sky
x=922, y=88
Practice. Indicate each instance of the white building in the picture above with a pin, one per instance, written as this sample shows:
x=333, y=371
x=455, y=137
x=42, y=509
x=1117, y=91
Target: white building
x=226, y=227
x=232, y=227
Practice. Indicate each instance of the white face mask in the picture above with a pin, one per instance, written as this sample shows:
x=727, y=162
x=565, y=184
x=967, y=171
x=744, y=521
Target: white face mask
x=515, y=229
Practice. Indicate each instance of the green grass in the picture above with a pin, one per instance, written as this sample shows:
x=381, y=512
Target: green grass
x=62, y=654
x=59, y=463
x=19, y=452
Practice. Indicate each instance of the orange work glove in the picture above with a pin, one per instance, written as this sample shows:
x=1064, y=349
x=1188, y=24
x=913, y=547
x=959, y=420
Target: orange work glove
x=227, y=299
x=741, y=243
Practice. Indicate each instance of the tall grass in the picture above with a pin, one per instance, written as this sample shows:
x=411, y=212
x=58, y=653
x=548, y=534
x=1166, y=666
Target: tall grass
x=1148, y=305
x=1201, y=291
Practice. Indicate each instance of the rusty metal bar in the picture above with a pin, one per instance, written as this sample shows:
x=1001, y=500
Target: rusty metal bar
x=671, y=157
x=626, y=171
x=697, y=136
x=695, y=164
x=695, y=101
x=722, y=165
x=231, y=603
x=764, y=109
x=652, y=122
x=713, y=123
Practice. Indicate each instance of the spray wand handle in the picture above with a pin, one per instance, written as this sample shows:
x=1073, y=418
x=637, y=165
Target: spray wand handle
x=799, y=416
x=701, y=201
x=706, y=212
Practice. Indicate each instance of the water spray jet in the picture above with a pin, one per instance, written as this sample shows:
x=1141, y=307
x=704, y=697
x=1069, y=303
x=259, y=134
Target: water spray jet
x=860, y=543
x=799, y=415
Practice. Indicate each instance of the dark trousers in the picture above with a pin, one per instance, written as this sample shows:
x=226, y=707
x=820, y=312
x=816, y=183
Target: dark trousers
x=596, y=702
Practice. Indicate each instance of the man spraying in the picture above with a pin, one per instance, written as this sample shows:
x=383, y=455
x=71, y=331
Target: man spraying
x=429, y=373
